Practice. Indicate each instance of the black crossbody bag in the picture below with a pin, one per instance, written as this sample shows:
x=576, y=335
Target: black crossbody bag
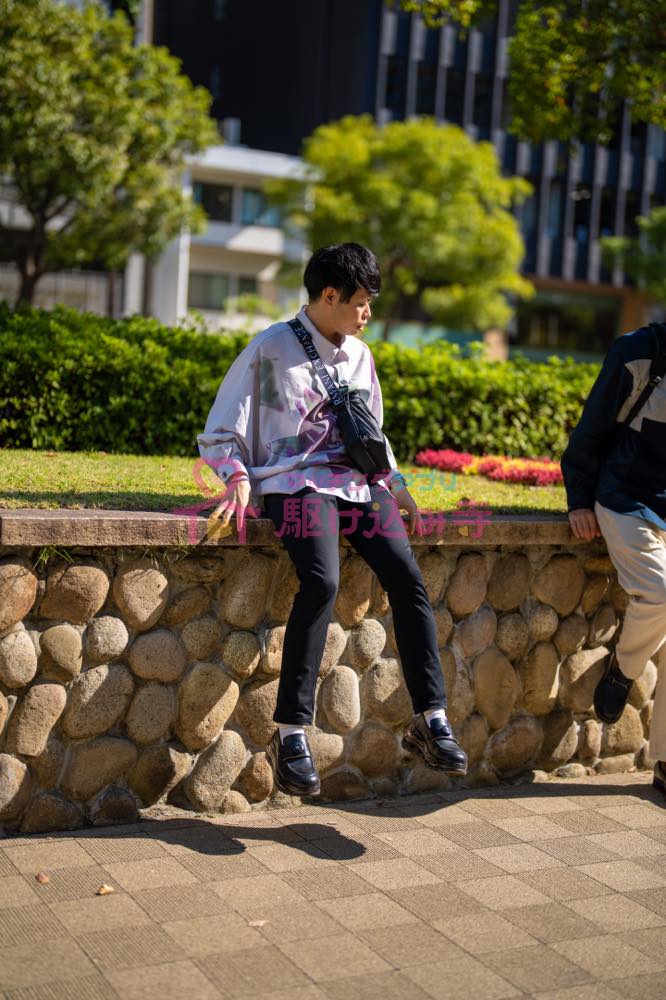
x=362, y=436
x=657, y=372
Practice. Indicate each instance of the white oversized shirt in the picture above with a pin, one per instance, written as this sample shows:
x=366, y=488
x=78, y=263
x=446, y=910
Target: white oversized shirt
x=272, y=419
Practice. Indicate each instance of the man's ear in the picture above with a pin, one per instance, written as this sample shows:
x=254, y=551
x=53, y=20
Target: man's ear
x=330, y=296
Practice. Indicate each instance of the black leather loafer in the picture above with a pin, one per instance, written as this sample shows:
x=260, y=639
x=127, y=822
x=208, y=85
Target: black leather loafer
x=612, y=692
x=436, y=744
x=294, y=771
x=659, y=780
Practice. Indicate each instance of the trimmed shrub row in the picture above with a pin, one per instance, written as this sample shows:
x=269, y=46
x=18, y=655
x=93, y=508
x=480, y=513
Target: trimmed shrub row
x=78, y=382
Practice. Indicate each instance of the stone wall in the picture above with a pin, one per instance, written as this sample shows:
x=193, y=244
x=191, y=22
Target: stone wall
x=130, y=676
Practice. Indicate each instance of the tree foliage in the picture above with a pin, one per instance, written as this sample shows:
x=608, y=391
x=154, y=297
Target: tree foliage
x=432, y=205
x=572, y=63
x=94, y=132
x=644, y=259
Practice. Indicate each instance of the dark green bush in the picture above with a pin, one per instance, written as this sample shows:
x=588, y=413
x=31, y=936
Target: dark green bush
x=78, y=382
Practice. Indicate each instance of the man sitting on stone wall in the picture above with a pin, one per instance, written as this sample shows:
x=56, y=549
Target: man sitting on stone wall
x=614, y=471
x=272, y=434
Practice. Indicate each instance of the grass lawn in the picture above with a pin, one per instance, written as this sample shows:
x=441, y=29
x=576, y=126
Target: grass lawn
x=136, y=482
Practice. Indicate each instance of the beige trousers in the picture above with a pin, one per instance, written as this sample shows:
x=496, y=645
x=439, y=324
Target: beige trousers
x=638, y=551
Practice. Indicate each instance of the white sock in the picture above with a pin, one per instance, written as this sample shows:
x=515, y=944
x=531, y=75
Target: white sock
x=434, y=713
x=290, y=731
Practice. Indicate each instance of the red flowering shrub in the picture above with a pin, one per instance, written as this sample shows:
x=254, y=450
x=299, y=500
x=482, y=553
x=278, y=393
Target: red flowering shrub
x=499, y=468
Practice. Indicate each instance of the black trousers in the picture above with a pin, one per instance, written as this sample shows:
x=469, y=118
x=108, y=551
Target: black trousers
x=309, y=524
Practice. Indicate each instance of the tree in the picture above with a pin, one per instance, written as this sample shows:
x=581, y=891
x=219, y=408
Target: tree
x=94, y=133
x=431, y=204
x=573, y=62
x=644, y=259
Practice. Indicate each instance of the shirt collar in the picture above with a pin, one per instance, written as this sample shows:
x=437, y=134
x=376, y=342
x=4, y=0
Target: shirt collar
x=325, y=348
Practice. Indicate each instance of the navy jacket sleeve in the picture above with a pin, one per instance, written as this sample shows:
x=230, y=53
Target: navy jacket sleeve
x=592, y=436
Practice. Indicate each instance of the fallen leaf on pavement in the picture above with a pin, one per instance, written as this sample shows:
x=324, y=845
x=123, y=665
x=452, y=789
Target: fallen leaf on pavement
x=257, y=923
x=44, y=879
x=105, y=890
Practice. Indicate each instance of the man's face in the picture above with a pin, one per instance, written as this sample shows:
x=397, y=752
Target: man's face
x=350, y=317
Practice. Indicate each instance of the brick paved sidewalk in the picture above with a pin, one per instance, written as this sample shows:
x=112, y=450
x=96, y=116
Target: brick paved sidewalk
x=555, y=891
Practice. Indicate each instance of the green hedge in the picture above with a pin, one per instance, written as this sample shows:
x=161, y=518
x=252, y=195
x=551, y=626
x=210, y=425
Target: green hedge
x=78, y=382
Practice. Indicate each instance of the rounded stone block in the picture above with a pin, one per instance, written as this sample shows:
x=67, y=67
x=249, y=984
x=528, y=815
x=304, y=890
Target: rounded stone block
x=379, y=602
x=539, y=676
x=255, y=711
x=287, y=586
x=340, y=699
x=603, y=626
x=157, y=771
x=543, y=622
x=375, y=751
x=18, y=590
x=245, y=592
x=207, y=696
x=421, y=778
x=384, y=695
x=74, y=593
x=643, y=687
x=594, y=592
x=15, y=787
x=476, y=632
x=113, y=806
x=201, y=570
x=187, y=604
x=560, y=740
x=327, y=749
x=571, y=635
x=467, y=587
x=49, y=812
x=579, y=676
x=62, y=652
x=619, y=598
x=355, y=591
x=18, y=659
x=242, y=653
x=215, y=772
x=365, y=644
x=345, y=783
x=202, y=637
x=616, y=765
x=158, y=656
x=151, y=714
x=444, y=624
x=256, y=778
x=141, y=591
x=473, y=737
x=509, y=582
x=271, y=661
x=435, y=572
x=106, y=639
x=624, y=736
x=458, y=687
x=34, y=717
x=234, y=803
x=4, y=711
x=336, y=640
x=512, y=636
x=560, y=583
x=496, y=687
x=516, y=746
x=97, y=763
x=589, y=740
x=98, y=698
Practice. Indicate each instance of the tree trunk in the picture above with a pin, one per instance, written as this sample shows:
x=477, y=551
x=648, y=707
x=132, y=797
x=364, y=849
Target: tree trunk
x=386, y=329
x=30, y=270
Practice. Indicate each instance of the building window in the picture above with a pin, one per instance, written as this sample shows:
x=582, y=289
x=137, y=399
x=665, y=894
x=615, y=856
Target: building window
x=425, y=89
x=483, y=102
x=219, y=9
x=208, y=291
x=607, y=212
x=632, y=209
x=215, y=199
x=396, y=85
x=581, y=196
x=256, y=211
x=455, y=95
x=247, y=285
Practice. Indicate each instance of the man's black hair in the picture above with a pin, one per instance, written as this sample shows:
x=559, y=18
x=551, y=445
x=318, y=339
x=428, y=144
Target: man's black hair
x=345, y=267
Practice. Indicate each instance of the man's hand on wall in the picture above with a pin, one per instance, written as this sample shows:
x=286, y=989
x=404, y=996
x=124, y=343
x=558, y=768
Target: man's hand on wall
x=584, y=524
x=406, y=501
x=235, y=501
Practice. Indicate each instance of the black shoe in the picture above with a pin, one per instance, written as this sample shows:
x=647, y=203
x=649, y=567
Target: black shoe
x=659, y=780
x=436, y=744
x=612, y=692
x=293, y=767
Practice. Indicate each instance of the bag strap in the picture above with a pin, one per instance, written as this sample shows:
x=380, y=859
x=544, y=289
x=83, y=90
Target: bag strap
x=305, y=338
x=657, y=372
